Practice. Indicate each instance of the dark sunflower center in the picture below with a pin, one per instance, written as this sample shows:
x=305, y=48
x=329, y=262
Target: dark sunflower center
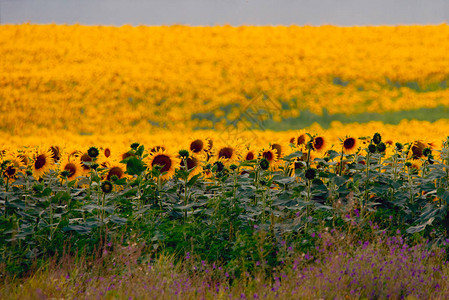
x=191, y=163
x=10, y=171
x=196, y=146
x=40, y=162
x=85, y=158
x=318, y=143
x=278, y=148
x=107, y=152
x=349, y=143
x=117, y=171
x=225, y=152
x=417, y=150
x=71, y=168
x=301, y=140
x=249, y=156
x=268, y=155
x=164, y=161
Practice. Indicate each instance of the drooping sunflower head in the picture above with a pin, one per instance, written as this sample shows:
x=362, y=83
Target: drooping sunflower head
x=349, y=145
x=417, y=149
x=165, y=162
x=55, y=153
x=278, y=148
x=42, y=163
x=86, y=161
x=301, y=140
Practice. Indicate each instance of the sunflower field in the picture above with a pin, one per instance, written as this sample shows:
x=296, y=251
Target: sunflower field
x=232, y=154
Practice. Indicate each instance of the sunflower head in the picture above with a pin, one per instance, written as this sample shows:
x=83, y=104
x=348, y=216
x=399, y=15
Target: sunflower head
x=198, y=146
x=165, y=162
x=71, y=169
x=107, y=152
x=227, y=154
x=417, y=149
x=55, y=153
x=377, y=138
x=301, y=140
x=183, y=153
x=12, y=166
x=264, y=164
x=349, y=145
x=86, y=161
x=278, y=149
x=107, y=187
x=43, y=161
x=250, y=155
x=270, y=155
x=318, y=143
x=115, y=173
x=93, y=152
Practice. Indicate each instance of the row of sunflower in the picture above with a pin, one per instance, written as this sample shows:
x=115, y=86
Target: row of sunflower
x=78, y=77
x=198, y=157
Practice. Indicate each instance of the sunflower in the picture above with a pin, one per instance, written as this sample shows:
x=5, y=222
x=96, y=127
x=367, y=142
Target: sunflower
x=55, y=153
x=319, y=143
x=166, y=161
x=417, y=149
x=198, y=146
x=278, y=148
x=249, y=154
x=107, y=152
x=72, y=167
x=13, y=167
x=301, y=140
x=115, y=170
x=193, y=165
x=85, y=159
x=43, y=161
x=227, y=154
x=349, y=145
x=270, y=156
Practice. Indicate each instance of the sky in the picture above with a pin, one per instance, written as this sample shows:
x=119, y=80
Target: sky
x=220, y=12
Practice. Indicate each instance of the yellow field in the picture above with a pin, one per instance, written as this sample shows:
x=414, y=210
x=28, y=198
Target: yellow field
x=117, y=80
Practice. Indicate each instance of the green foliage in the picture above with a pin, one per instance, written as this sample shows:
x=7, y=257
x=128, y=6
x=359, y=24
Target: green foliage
x=243, y=216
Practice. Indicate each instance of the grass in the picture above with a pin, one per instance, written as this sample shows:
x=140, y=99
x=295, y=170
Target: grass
x=342, y=266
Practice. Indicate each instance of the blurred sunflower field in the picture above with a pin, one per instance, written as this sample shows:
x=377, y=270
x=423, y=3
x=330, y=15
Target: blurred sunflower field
x=216, y=140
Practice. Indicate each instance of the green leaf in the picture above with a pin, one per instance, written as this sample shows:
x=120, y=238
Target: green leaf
x=77, y=228
x=443, y=194
x=421, y=227
x=134, y=166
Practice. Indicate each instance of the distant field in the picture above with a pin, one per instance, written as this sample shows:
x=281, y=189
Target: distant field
x=90, y=80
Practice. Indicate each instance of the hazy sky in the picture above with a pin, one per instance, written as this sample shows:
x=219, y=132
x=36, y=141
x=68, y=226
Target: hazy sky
x=234, y=12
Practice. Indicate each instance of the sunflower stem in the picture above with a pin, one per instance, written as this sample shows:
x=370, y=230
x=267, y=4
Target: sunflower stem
x=341, y=162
